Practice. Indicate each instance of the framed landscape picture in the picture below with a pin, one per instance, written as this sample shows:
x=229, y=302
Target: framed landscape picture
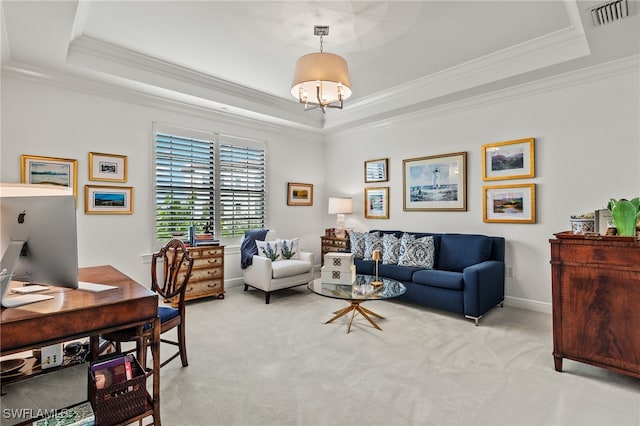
x=376, y=203
x=376, y=170
x=108, y=199
x=509, y=203
x=107, y=167
x=508, y=160
x=299, y=194
x=436, y=183
x=51, y=171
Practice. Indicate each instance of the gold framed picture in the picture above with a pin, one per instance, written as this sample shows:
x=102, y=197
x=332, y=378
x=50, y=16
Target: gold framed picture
x=376, y=170
x=51, y=171
x=509, y=203
x=437, y=183
x=108, y=199
x=508, y=160
x=107, y=167
x=376, y=203
x=299, y=194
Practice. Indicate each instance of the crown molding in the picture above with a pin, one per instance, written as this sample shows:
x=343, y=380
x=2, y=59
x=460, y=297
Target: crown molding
x=110, y=88
x=553, y=48
x=99, y=55
x=630, y=64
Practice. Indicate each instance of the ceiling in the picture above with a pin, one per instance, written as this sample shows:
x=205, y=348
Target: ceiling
x=237, y=57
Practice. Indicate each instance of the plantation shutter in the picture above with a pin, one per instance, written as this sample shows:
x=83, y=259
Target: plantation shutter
x=206, y=178
x=185, y=183
x=242, y=187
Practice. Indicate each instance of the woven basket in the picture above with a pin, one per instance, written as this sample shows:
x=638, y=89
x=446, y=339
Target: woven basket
x=120, y=401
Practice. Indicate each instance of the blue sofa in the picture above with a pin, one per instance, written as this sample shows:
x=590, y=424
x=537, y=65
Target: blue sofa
x=467, y=277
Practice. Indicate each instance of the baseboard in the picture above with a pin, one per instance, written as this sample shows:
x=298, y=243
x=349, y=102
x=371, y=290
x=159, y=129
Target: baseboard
x=531, y=305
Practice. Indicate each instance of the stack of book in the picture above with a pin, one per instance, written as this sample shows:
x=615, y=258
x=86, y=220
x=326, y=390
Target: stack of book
x=112, y=371
x=206, y=240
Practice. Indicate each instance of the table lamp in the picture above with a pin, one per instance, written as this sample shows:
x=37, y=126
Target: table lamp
x=340, y=206
x=377, y=256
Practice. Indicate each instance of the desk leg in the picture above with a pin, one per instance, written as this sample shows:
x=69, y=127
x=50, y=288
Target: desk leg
x=155, y=352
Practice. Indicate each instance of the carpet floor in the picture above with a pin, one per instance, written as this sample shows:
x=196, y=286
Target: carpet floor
x=279, y=364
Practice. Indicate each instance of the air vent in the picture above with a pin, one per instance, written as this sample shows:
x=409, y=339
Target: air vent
x=609, y=12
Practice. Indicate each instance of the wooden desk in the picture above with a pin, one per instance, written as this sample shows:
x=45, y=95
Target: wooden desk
x=74, y=314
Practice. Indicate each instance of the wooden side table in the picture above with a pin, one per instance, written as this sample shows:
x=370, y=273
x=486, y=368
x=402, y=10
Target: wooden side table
x=330, y=244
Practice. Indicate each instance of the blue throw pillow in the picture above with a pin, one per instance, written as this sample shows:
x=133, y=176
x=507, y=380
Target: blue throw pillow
x=372, y=241
x=391, y=251
x=357, y=244
x=418, y=252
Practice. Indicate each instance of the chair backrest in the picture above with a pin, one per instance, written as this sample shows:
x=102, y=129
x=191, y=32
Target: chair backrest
x=177, y=263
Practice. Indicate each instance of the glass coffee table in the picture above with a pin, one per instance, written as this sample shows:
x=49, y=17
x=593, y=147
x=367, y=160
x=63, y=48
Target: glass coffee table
x=359, y=292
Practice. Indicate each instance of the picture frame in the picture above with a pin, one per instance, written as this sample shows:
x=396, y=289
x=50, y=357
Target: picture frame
x=50, y=170
x=376, y=203
x=435, y=183
x=100, y=199
x=299, y=194
x=509, y=203
x=508, y=160
x=376, y=170
x=107, y=167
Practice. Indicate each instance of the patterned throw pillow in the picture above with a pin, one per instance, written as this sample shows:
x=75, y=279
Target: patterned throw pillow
x=268, y=249
x=289, y=248
x=357, y=244
x=391, y=251
x=416, y=252
x=372, y=241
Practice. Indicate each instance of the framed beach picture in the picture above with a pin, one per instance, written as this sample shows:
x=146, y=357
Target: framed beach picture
x=376, y=203
x=299, y=194
x=108, y=199
x=509, y=203
x=508, y=160
x=376, y=170
x=51, y=171
x=107, y=167
x=437, y=182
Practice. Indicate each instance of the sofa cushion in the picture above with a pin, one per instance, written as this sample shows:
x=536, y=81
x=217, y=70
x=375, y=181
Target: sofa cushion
x=356, y=239
x=438, y=278
x=365, y=267
x=269, y=249
x=418, y=252
x=391, y=249
x=396, y=272
x=288, y=268
x=457, y=251
x=372, y=241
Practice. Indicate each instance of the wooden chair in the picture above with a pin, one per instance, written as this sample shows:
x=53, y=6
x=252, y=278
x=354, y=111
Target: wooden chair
x=177, y=264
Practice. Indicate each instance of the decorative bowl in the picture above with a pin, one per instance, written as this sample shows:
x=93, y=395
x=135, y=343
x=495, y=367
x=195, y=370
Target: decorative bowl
x=581, y=226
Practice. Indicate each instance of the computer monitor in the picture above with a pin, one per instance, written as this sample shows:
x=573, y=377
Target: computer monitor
x=44, y=217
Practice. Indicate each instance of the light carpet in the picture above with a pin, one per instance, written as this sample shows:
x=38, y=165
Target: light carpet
x=279, y=364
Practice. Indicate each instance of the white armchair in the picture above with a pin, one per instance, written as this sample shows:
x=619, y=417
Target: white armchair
x=268, y=276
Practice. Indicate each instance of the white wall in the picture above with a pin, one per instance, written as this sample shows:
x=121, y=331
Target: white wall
x=44, y=120
x=587, y=150
x=586, y=126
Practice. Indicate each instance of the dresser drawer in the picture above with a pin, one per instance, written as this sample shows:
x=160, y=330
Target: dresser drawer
x=205, y=287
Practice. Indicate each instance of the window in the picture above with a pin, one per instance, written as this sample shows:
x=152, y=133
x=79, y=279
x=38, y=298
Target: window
x=213, y=179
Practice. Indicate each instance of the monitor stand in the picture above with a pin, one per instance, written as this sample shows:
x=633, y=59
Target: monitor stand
x=7, y=265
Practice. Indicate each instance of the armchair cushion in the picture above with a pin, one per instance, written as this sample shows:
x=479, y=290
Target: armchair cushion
x=289, y=267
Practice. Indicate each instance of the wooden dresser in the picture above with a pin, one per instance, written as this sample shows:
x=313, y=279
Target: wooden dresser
x=330, y=244
x=207, y=275
x=596, y=301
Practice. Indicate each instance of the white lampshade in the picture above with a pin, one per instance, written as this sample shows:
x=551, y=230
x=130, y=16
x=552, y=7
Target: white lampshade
x=327, y=71
x=340, y=205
